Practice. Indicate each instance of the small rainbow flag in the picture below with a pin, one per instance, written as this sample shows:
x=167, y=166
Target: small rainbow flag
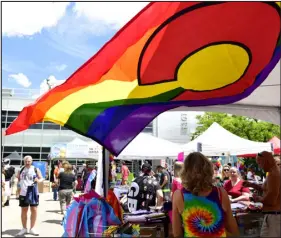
x=170, y=54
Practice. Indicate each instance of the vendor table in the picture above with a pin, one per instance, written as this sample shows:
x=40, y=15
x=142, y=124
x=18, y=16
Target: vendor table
x=156, y=227
x=249, y=223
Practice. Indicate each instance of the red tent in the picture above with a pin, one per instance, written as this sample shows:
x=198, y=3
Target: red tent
x=276, y=144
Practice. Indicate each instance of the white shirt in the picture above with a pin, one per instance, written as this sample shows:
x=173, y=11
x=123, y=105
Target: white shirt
x=27, y=177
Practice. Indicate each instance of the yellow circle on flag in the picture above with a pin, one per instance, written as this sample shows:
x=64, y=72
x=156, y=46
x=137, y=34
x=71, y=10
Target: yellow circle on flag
x=213, y=67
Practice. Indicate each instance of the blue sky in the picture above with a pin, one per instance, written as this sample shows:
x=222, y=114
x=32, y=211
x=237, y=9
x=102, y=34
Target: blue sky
x=51, y=40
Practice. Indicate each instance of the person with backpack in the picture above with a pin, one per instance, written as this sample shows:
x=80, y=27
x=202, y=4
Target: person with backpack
x=28, y=177
x=145, y=191
x=9, y=173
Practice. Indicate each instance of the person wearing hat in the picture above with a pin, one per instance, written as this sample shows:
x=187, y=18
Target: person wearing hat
x=145, y=191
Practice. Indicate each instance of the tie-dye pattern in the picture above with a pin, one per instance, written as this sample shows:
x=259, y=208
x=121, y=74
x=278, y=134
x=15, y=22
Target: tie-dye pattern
x=203, y=216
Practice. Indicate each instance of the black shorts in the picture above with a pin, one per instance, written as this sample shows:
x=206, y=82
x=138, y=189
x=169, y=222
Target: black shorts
x=23, y=203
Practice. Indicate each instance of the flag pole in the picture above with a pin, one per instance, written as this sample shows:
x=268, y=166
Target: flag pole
x=105, y=168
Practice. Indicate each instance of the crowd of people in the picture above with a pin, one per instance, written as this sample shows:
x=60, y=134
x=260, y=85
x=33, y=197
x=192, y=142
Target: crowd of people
x=201, y=194
x=198, y=192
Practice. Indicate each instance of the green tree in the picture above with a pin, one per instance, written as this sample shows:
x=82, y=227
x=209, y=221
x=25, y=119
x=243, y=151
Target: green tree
x=251, y=129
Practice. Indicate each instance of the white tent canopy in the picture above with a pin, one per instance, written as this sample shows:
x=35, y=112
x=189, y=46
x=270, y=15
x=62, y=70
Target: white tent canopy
x=217, y=140
x=262, y=104
x=13, y=156
x=149, y=147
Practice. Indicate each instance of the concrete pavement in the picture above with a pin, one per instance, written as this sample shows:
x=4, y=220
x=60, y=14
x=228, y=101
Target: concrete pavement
x=48, y=220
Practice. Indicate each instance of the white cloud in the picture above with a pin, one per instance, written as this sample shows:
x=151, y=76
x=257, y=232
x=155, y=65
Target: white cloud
x=29, y=18
x=53, y=82
x=61, y=67
x=111, y=14
x=21, y=79
x=44, y=86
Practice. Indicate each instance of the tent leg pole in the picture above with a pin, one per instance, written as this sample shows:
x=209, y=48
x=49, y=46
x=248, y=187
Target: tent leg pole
x=105, y=168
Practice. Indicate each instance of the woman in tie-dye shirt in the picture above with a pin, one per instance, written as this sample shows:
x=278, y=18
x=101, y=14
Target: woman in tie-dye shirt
x=201, y=209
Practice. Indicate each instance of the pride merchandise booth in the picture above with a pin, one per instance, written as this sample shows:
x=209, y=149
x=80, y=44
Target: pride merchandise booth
x=164, y=58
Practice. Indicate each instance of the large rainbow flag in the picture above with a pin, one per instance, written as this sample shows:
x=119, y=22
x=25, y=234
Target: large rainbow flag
x=171, y=54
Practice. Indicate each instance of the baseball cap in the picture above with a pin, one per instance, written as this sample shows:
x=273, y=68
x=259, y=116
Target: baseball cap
x=146, y=167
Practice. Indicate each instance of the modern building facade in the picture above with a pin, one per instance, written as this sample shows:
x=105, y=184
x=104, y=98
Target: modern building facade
x=38, y=139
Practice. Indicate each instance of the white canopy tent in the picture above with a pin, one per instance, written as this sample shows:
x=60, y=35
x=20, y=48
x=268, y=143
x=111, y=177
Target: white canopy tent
x=146, y=146
x=13, y=156
x=217, y=140
x=262, y=104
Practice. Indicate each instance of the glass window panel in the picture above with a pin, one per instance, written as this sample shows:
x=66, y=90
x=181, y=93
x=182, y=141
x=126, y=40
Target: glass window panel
x=3, y=112
x=13, y=113
x=51, y=126
x=31, y=149
x=11, y=119
x=44, y=156
x=12, y=149
x=64, y=128
x=3, y=125
x=148, y=129
x=36, y=126
x=46, y=149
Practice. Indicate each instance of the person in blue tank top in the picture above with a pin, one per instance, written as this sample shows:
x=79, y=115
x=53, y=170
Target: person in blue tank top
x=199, y=208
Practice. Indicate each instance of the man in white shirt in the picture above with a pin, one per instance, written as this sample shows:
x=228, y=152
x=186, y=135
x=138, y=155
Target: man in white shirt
x=27, y=176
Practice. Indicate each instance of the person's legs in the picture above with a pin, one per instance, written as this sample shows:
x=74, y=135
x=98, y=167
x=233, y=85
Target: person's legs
x=24, y=210
x=68, y=197
x=264, y=228
x=33, y=216
x=273, y=222
x=62, y=198
x=55, y=194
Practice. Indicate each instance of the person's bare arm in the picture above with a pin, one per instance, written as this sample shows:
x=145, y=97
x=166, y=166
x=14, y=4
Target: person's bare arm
x=230, y=222
x=176, y=222
x=255, y=186
x=243, y=197
x=159, y=196
x=273, y=188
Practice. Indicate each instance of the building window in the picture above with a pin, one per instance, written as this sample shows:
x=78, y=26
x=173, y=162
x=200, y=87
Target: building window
x=35, y=156
x=13, y=113
x=46, y=149
x=36, y=126
x=148, y=128
x=64, y=128
x=12, y=149
x=31, y=149
x=50, y=126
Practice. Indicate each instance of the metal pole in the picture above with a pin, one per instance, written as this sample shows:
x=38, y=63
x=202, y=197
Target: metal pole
x=105, y=168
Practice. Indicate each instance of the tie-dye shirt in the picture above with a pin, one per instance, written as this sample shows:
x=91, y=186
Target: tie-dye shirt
x=203, y=216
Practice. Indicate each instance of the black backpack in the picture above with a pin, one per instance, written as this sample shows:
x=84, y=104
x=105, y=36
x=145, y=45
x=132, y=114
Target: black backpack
x=147, y=192
x=9, y=173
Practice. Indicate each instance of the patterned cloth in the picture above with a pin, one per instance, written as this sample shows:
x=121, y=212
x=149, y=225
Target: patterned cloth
x=203, y=216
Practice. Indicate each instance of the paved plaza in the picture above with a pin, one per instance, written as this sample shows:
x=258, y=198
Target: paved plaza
x=48, y=220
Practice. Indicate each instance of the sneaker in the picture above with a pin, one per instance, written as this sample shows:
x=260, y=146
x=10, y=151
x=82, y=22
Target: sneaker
x=22, y=232
x=33, y=232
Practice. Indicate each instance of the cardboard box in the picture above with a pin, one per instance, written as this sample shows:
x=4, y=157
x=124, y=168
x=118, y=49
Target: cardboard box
x=44, y=187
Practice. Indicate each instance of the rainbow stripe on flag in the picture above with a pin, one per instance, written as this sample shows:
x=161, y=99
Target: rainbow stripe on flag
x=171, y=54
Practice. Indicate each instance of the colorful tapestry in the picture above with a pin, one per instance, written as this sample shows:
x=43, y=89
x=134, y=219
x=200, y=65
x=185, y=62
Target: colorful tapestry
x=170, y=54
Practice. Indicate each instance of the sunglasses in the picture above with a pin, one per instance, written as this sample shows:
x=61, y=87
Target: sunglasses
x=226, y=170
x=260, y=154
